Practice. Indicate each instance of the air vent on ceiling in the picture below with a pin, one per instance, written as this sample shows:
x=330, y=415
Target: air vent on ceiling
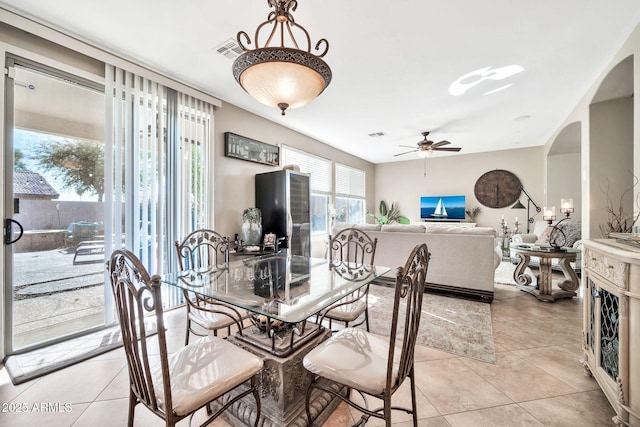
x=376, y=134
x=230, y=49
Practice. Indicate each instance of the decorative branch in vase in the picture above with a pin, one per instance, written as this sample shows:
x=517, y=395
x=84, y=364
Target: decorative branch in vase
x=473, y=213
x=618, y=220
x=252, y=226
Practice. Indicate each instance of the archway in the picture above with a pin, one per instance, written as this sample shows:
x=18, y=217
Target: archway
x=611, y=148
x=563, y=169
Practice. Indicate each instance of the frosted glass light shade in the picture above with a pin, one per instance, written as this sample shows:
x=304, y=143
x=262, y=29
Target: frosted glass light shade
x=282, y=77
x=566, y=206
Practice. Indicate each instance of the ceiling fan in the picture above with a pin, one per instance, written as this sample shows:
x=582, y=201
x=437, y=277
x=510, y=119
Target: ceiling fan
x=427, y=147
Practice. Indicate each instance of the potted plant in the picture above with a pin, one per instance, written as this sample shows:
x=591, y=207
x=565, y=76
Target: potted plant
x=389, y=215
x=619, y=220
x=252, y=226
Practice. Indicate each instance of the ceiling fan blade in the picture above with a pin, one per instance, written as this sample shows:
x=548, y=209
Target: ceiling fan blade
x=448, y=149
x=408, y=146
x=406, y=152
x=441, y=143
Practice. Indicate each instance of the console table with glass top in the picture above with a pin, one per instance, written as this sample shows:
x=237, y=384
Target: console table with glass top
x=279, y=292
x=544, y=291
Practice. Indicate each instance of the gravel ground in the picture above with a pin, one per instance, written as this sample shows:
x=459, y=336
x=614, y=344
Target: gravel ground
x=54, y=271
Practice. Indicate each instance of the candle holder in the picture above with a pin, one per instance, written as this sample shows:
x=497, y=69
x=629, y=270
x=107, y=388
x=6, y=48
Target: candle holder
x=506, y=235
x=566, y=207
x=549, y=214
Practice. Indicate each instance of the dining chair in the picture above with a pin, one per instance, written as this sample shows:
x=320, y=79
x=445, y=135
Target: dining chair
x=201, y=249
x=187, y=380
x=351, y=253
x=375, y=365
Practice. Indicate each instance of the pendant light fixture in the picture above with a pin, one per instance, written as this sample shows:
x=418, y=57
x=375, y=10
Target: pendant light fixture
x=280, y=73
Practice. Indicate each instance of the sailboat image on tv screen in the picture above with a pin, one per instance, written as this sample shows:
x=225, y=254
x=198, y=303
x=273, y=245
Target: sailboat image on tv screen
x=441, y=211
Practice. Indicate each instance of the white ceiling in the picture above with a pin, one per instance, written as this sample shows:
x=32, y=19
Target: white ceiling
x=393, y=62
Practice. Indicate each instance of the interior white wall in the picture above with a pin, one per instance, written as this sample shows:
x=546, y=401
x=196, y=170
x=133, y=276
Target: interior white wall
x=404, y=182
x=611, y=129
x=234, y=178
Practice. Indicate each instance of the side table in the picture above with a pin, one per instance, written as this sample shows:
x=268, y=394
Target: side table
x=544, y=291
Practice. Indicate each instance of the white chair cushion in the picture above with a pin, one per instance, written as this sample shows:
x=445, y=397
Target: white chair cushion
x=353, y=357
x=204, y=370
x=210, y=320
x=347, y=312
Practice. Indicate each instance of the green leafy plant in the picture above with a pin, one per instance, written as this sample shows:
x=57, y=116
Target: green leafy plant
x=252, y=215
x=389, y=215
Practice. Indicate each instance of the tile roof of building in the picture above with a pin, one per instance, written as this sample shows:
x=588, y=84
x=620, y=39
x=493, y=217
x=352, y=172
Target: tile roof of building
x=32, y=184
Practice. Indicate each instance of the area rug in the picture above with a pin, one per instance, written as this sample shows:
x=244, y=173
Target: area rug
x=504, y=274
x=455, y=325
x=27, y=366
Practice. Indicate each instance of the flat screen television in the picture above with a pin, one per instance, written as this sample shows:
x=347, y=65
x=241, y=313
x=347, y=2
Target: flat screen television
x=442, y=208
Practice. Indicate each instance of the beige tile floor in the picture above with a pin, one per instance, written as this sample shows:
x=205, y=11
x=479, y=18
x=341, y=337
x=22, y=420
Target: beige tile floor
x=538, y=380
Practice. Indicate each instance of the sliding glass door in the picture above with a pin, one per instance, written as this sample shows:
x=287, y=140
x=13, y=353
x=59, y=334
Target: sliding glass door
x=89, y=169
x=54, y=179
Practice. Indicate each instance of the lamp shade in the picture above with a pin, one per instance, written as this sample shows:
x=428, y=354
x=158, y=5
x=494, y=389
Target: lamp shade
x=518, y=205
x=281, y=77
x=423, y=154
x=281, y=73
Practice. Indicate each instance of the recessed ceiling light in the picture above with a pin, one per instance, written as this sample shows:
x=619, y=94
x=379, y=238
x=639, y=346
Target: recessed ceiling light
x=461, y=85
x=521, y=118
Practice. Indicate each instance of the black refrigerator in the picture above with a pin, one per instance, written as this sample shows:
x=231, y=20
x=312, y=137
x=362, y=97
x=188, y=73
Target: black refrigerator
x=284, y=197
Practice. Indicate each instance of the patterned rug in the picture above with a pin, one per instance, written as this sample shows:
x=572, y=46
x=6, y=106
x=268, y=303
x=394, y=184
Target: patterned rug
x=455, y=325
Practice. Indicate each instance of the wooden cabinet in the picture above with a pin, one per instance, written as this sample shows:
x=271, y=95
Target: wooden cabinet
x=611, y=331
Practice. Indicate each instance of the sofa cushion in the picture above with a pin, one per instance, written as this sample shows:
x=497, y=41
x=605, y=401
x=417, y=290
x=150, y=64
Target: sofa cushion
x=368, y=227
x=403, y=228
x=453, y=229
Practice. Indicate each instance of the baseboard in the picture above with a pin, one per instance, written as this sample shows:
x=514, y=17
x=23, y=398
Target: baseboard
x=484, y=296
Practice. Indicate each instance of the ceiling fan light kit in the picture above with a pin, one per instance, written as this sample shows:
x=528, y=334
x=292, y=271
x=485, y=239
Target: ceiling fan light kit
x=281, y=75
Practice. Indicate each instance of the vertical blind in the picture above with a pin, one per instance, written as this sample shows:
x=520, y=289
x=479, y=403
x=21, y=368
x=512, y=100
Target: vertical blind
x=157, y=166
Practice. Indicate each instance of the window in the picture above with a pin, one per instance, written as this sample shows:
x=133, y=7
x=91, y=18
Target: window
x=350, y=195
x=320, y=171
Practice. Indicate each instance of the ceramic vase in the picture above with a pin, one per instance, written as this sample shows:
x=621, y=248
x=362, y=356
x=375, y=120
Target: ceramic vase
x=251, y=226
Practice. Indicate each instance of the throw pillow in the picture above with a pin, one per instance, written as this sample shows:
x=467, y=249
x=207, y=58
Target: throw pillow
x=572, y=232
x=543, y=239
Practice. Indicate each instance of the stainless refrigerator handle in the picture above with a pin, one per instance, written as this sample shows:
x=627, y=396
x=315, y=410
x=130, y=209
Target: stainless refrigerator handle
x=289, y=225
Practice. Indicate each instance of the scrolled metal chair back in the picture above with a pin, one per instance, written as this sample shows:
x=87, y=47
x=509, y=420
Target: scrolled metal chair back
x=202, y=248
x=409, y=291
x=136, y=295
x=352, y=252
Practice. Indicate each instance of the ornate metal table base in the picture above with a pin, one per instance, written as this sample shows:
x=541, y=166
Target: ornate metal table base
x=544, y=291
x=283, y=385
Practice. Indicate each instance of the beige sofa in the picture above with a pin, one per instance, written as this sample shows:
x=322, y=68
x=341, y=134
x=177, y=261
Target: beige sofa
x=463, y=259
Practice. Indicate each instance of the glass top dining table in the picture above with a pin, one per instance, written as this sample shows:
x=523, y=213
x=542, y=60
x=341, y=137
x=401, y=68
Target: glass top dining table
x=280, y=286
